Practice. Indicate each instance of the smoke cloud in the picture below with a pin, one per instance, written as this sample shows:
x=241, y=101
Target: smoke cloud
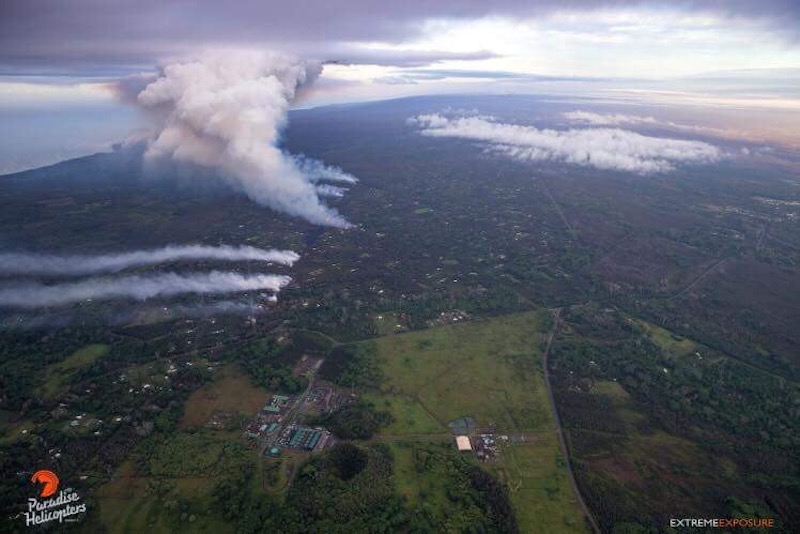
x=34, y=295
x=135, y=314
x=227, y=112
x=601, y=148
x=217, y=308
x=130, y=315
x=38, y=264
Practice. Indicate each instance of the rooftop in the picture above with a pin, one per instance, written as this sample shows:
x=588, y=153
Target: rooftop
x=463, y=443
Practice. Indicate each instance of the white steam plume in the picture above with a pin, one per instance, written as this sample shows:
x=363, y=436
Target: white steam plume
x=318, y=172
x=33, y=295
x=602, y=148
x=328, y=190
x=24, y=263
x=227, y=112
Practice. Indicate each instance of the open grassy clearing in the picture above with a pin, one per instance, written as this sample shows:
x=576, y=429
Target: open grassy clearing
x=405, y=471
x=539, y=486
x=57, y=376
x=675, y=344
x=487, y=369
x=231, y=392
x=409, y=415
x=491, y=371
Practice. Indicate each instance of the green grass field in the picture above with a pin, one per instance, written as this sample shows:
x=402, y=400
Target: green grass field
x=405, y=470
x=409, y=415
x=675, y=344
x=57, y=376
x=489, y=370
x=231, y=392
x=539, y=486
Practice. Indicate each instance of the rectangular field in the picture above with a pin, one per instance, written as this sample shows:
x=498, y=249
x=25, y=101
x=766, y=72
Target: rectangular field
x=489, y=370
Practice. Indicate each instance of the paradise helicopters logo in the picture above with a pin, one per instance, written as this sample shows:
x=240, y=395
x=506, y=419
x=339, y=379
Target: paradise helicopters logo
x=64, y=506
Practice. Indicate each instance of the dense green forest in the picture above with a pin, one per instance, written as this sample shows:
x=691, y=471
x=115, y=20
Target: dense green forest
x=639, y=402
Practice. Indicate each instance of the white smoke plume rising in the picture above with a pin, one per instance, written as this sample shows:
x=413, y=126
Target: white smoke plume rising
x=24, y=263
x=34, y=295
x=328, y=190
x=602, y=148
x=227, y=112
x=315, y=171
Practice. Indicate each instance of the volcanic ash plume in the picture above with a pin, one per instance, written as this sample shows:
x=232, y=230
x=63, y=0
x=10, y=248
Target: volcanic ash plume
x=136, y=287
x=23, y=263
x=227, y=112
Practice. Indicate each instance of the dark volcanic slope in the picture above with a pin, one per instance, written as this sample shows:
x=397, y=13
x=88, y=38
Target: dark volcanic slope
x=699, y=250
x=703, y=412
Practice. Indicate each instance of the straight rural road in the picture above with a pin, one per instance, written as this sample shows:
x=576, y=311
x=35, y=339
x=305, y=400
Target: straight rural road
x=561, y=440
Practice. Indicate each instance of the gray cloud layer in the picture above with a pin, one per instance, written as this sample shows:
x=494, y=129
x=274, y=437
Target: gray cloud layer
x=101, y=35
x=24, y=263
x=601, y=148
x=400, y=58
x=227, y=111
x=34, y=295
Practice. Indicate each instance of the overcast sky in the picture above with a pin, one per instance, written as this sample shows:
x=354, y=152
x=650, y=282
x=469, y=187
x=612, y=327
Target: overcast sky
x=57, y=57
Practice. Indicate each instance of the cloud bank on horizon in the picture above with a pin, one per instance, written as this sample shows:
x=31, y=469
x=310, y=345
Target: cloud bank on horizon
x=72, y=265
x=35, y=295
x=226, y=111
x=601, y=148
x=716, y=56
x=88, y=36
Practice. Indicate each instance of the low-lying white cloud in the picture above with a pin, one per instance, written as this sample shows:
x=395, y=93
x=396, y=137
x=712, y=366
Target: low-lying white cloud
x=72, y=265
x=607, y=119
x=601, y=148
x=591, y=118
x=35, y=295
x=227, y=111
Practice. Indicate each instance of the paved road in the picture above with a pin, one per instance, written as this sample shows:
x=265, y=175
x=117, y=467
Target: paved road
x=562, y=442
